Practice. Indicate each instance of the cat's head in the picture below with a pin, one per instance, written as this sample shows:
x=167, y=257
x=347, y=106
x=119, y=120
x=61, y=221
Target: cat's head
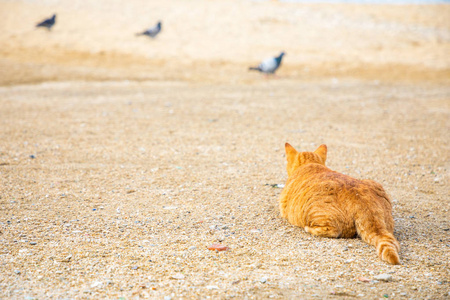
x=296, y=159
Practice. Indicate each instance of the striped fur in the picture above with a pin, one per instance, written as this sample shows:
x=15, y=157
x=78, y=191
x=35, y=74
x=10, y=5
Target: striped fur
x=330, y=204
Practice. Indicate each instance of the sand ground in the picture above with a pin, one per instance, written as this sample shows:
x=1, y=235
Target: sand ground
x=123, y=158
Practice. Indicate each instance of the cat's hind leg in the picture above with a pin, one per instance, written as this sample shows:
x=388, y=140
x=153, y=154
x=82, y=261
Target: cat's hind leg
x=323, y=231
x=324, y=219
x=324, y=227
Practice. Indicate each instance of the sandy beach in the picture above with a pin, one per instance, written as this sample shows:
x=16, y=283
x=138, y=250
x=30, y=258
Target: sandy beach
x=123, y=158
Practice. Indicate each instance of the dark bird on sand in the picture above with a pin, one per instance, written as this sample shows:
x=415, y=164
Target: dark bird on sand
x=48, y=23
x=269, y=65
x=153, y=31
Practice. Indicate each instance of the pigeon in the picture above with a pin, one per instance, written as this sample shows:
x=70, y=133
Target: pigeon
x=48, y=23
x=153, y=31
x=269, y=65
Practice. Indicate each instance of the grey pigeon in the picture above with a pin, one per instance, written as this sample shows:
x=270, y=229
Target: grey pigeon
x=153, y=31
x=48, y=23
x=269, y=65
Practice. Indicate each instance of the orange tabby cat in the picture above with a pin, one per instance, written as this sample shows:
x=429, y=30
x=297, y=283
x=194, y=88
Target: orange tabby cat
x=330, y=204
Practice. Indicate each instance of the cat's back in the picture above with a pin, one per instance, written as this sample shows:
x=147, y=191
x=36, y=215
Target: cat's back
x=319, y=178
x=312, y=180
x=348, y=190
x=317, y=174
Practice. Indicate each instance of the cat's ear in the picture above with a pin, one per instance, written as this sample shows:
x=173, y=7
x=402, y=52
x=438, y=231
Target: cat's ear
x=290, y=152
x=322, y=152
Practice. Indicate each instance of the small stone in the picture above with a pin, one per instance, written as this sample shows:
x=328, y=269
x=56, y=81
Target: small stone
x=32, y=156
x=177, y=276
x=276, y=185
x=96, y=284
x=17, y=272
x=383, y=277
x=257, y=266
x=33, y=243
x=212, y=287
x=67, y=258
x=134, y=268
x=170, y=207
x=364, y=279
x=263, y=280
x=218, y=247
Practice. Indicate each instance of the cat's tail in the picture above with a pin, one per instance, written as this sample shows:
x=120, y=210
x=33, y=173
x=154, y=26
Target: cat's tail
x=374, y=232
x=388, y=248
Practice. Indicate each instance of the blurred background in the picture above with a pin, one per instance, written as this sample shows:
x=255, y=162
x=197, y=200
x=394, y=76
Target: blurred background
x=206, y=40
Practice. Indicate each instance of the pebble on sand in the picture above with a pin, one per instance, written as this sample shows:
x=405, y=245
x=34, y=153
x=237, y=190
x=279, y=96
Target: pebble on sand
x=67, y=258
x=218, y=247
x=96, y=284
x=177, y=276
x=212, y=287
x=170, y=207
x=383, y=277
x=364, y=279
